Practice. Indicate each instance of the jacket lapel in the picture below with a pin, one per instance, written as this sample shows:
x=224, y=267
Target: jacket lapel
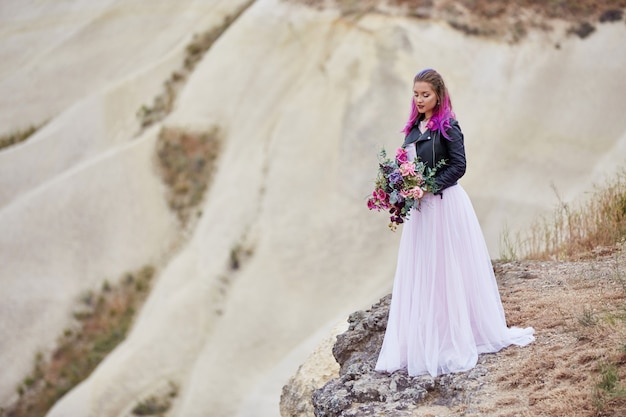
x=416, y=136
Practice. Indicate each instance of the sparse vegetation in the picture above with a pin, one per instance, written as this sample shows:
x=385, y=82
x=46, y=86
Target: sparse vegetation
x=151, y=406
x=609, y=390
x=582, y=29
x=163, y=104
x=591, y=233
x=17, y=136
x=507, y=19
x=576, y=367
x=611, y=15
x=609, y=394
x=102, y=321
x=572, y=10
x=508, y=246
x=158, y=404
x=238, y=255
x=187, y=161
x=583, y=230
x=587, y=318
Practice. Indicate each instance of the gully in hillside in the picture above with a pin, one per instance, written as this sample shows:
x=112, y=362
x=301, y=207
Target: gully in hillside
x=445, y=308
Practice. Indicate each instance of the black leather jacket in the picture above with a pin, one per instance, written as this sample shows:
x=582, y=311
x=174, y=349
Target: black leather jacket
x=431, y=146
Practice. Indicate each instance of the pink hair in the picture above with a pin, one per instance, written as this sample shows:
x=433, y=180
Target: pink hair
x=442, y=113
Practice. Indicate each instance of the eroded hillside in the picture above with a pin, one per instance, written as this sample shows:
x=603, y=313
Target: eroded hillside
x=299, y=100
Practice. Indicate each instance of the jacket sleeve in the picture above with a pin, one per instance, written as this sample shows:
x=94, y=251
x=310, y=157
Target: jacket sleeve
x=455, y=166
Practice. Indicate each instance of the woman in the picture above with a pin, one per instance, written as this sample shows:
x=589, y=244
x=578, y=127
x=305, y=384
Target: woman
x=445, y=307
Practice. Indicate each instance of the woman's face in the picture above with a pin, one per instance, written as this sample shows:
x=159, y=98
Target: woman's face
x=425, y=97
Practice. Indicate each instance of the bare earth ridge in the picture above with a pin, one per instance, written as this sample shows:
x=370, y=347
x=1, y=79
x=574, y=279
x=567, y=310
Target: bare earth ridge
x=504, y=19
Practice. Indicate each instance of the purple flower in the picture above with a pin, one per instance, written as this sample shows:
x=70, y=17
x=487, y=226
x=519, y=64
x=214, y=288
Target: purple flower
x=395, y=177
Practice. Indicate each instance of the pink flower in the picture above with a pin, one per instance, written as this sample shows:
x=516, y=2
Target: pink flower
x=407, y=169
x=402, y=156
x=381, y=195
x=417, y=192
x=371, y=205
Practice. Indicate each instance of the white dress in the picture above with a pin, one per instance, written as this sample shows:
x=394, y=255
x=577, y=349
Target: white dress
x=445, y=307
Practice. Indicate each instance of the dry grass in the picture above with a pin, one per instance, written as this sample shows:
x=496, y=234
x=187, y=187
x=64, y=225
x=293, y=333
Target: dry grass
x=573, y=10
x=163, y=104
x=17, y=136
x=187, y=161
x=574, y=232
x=157, y=404
x=102, y=322
x=576, y=365
x=504, y=19
x=580, y=308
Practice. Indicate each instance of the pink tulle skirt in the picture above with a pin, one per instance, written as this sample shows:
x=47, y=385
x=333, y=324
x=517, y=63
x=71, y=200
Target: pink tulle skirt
x=445, y=307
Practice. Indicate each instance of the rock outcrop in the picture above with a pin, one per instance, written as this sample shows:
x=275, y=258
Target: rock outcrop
x=359, y=391
x=319, y=368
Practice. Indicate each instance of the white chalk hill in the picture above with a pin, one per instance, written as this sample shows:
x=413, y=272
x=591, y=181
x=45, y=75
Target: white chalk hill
x=305, y=99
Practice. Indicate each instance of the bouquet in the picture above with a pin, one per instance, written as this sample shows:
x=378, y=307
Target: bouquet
x=400, y=185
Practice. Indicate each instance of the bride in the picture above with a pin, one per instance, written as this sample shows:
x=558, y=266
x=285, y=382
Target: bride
x=445, y=307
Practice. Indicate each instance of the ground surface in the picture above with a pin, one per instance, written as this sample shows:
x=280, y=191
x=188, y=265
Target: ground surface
x=578, y=312
x=574, y=367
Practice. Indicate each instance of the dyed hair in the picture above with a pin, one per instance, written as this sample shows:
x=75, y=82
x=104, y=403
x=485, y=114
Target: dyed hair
x=442, y=113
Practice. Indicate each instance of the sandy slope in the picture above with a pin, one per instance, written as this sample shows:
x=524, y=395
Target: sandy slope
x=306, y=99
x=60, y=51
x=80, y=201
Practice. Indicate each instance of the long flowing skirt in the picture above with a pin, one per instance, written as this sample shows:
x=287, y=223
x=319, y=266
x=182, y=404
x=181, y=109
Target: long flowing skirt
x=445, y=307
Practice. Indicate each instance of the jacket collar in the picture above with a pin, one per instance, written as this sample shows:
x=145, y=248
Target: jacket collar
x=416, y=136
